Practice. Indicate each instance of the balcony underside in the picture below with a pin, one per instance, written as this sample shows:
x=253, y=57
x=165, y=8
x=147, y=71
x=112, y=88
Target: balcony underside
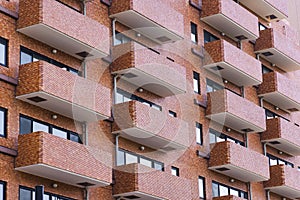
x=149, y=139
x=278, y=58
x=229, y=27
x=234, y=122
x=146, y=27
x=148, y=82
x=57, y=174
x=232, y=74
x=63, y=42
x=263, y=9
x=238, y=173
x=281, y=101
x=62, y=107
x=285, y=191
x=140, y=195
x=284, y=145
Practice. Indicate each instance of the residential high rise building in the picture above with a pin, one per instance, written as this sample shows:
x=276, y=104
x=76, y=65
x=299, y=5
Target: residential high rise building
x=149, y=99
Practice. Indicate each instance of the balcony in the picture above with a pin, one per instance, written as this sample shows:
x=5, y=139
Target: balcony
x=282, y=135
x=232, y=64
x=62, y=92
x=48, y=156
x=158, y=21
x=270, y=10
x=233, y=111
x=238, y=162
x=137, y=181
x=280, y=91
x=229, y=197
x=148, y=69
x=148, y=126
x=278, y=49
x=225, y=16
x=284, y=181
x=63, y=28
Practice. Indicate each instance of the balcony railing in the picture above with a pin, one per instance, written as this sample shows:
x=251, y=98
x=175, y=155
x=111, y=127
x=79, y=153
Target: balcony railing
x=52, y=88
x=278, y=49
x=233, y=111
x=232, y=64
x=148, y=126
x=146, y=68
x=238, y=162
x=225, y=16
x=284, y=181
x=54, y=158
x=280, y=91
x=61, y=27
x=136, y=181
x=282, y=135
x=150, y=20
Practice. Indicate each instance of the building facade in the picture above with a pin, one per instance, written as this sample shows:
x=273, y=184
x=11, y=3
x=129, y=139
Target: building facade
x=150, y=100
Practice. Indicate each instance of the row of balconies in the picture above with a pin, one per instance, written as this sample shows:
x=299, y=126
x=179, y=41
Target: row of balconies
x=39, y=83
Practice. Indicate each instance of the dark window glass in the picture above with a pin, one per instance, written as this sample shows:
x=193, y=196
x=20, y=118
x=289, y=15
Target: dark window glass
x=28, y=56
x=121, y=39
x=29, y=194
x=196, y=82
x=199, y=135
x=265, y=70
x=215, y=136
x=212, y=86
x=219, y=190
x=208, y=37
x=201, y=186
x=3, y=52
x=194, y=33
x=29, y=125
x=175, y=171
x=3, y=113
x=270, y=114
x=273, y=160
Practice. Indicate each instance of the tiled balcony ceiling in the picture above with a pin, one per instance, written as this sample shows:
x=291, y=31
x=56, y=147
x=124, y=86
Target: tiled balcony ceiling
x=270, y=10
x=278, y=49
x=282, y=135
x=148, y=69
x=148, y=126
x=280, y=91
x=230, y=18
x=224, y=107
x=238, y=162
x=284, y=181
x=232, y=64
x=151, y=21
x=48, y=156
x=136, y=181
x=63, y=28
x=52, y=88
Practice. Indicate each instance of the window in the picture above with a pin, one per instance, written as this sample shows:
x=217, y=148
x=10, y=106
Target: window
x=121, y=39
x=265, y=70
x=224, y=190
x=273, y=160
x=125, y=157
x=172, y=113
x=3, y=52
x=208, y=37
x=26, y=193
x=2, y=190
x=201, y=186
x=29, y=125
x=215, y=136
x=175, y=171
x=3, y=113
x=123, y=96
x=270, y=114
x=199, y=135
x=28, y=56
x=194, y=33
x=261, y=27
x=196, y=82
x=212, y=86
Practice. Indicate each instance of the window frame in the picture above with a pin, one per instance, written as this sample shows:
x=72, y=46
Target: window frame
x=5, y=111
x=211, y=36
x=215, y=86
x=200, y=128
x=176, y=170
x=3, y=183
x=203, y=187
x=218, y=134
x=287, y=163
x=265, y=69
x=50, y=128
x=196, y=78
x=32, y=192
x=4, y=42
x=229, y=188
x=194, y=32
